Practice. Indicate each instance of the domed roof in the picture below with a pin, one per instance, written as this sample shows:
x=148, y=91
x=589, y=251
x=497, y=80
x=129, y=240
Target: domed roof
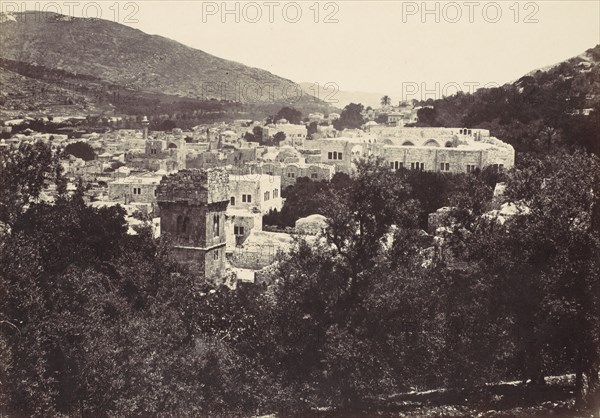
x=312, y=224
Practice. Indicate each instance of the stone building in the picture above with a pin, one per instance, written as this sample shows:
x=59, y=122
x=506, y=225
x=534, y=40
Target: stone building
x=344, y=151
x=192, y=212
x=453, y=150
x=235, y=157
x=240, y=223
x=255, y=192
x=291, y=171
x=166, y=153
x=295, y=135
x=139, y=191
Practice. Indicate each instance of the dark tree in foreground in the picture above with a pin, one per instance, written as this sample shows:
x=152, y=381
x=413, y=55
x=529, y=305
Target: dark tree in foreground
x=23, y=174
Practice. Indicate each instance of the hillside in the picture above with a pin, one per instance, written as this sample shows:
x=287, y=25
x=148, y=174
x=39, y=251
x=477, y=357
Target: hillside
x=555, y=106
x=96, y=54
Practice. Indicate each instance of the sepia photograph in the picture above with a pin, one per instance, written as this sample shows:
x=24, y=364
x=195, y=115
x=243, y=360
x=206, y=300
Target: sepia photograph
x=300, y=209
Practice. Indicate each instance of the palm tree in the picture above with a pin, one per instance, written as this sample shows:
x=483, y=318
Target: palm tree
x=386, y=100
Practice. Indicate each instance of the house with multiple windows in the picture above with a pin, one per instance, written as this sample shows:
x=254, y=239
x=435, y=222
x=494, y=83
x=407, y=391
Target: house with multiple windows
x=448, y=150
x=139, y=191
x=295, y=135
x=257, y=192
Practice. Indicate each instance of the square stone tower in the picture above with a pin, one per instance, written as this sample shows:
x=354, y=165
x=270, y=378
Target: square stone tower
x=192, y=212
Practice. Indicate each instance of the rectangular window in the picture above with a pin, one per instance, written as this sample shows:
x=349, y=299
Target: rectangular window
x=339, y=156
x=244, y=198
x=313, y=175
x=422, y=166
x=330, y=156
x=216, y=225
x=238, y=230
x=275, y=193
x=470, y=168
x=444, y=166
x=392, y=164
x=412, y=166
x=249, y=198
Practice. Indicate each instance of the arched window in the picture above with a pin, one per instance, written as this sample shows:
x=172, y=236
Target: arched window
x=431, y=143
x=232, y=201
x=184, y=227
x=407, y=144
x=449, y=144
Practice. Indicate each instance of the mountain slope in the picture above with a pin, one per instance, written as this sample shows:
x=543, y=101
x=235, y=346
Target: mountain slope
x=557, y=106
x=121, y=55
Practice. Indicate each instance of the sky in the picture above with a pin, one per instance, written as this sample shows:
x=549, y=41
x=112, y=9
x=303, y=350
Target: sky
x=390, y=47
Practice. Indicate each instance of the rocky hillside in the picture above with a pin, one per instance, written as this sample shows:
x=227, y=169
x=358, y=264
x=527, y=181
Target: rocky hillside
x=555, y=106
x=96, y=53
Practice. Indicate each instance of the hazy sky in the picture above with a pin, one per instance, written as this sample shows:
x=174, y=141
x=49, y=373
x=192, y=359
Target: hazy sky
x=375, y=46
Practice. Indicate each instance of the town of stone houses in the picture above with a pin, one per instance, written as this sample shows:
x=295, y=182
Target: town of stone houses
x=389, y=255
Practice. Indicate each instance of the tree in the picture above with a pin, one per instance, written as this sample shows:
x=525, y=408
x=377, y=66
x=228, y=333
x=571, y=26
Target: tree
x=348, y=300
x=351, y=117
x=257, y=131
x=312, y=128
x=81, y=150
x=386, y=101
x=290, y=114
x=427, y=116
x=255, y=136
x=381, y=118
x=278, y=138
x=23, y=174
x=543, y=264
x=168, y=125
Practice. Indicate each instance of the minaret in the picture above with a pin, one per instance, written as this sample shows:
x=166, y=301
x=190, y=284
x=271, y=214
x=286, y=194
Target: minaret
x=192, y=211
x=145, y=124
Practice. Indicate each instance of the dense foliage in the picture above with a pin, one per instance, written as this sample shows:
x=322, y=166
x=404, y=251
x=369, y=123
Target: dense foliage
x=97, y=322
x=538, y=113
